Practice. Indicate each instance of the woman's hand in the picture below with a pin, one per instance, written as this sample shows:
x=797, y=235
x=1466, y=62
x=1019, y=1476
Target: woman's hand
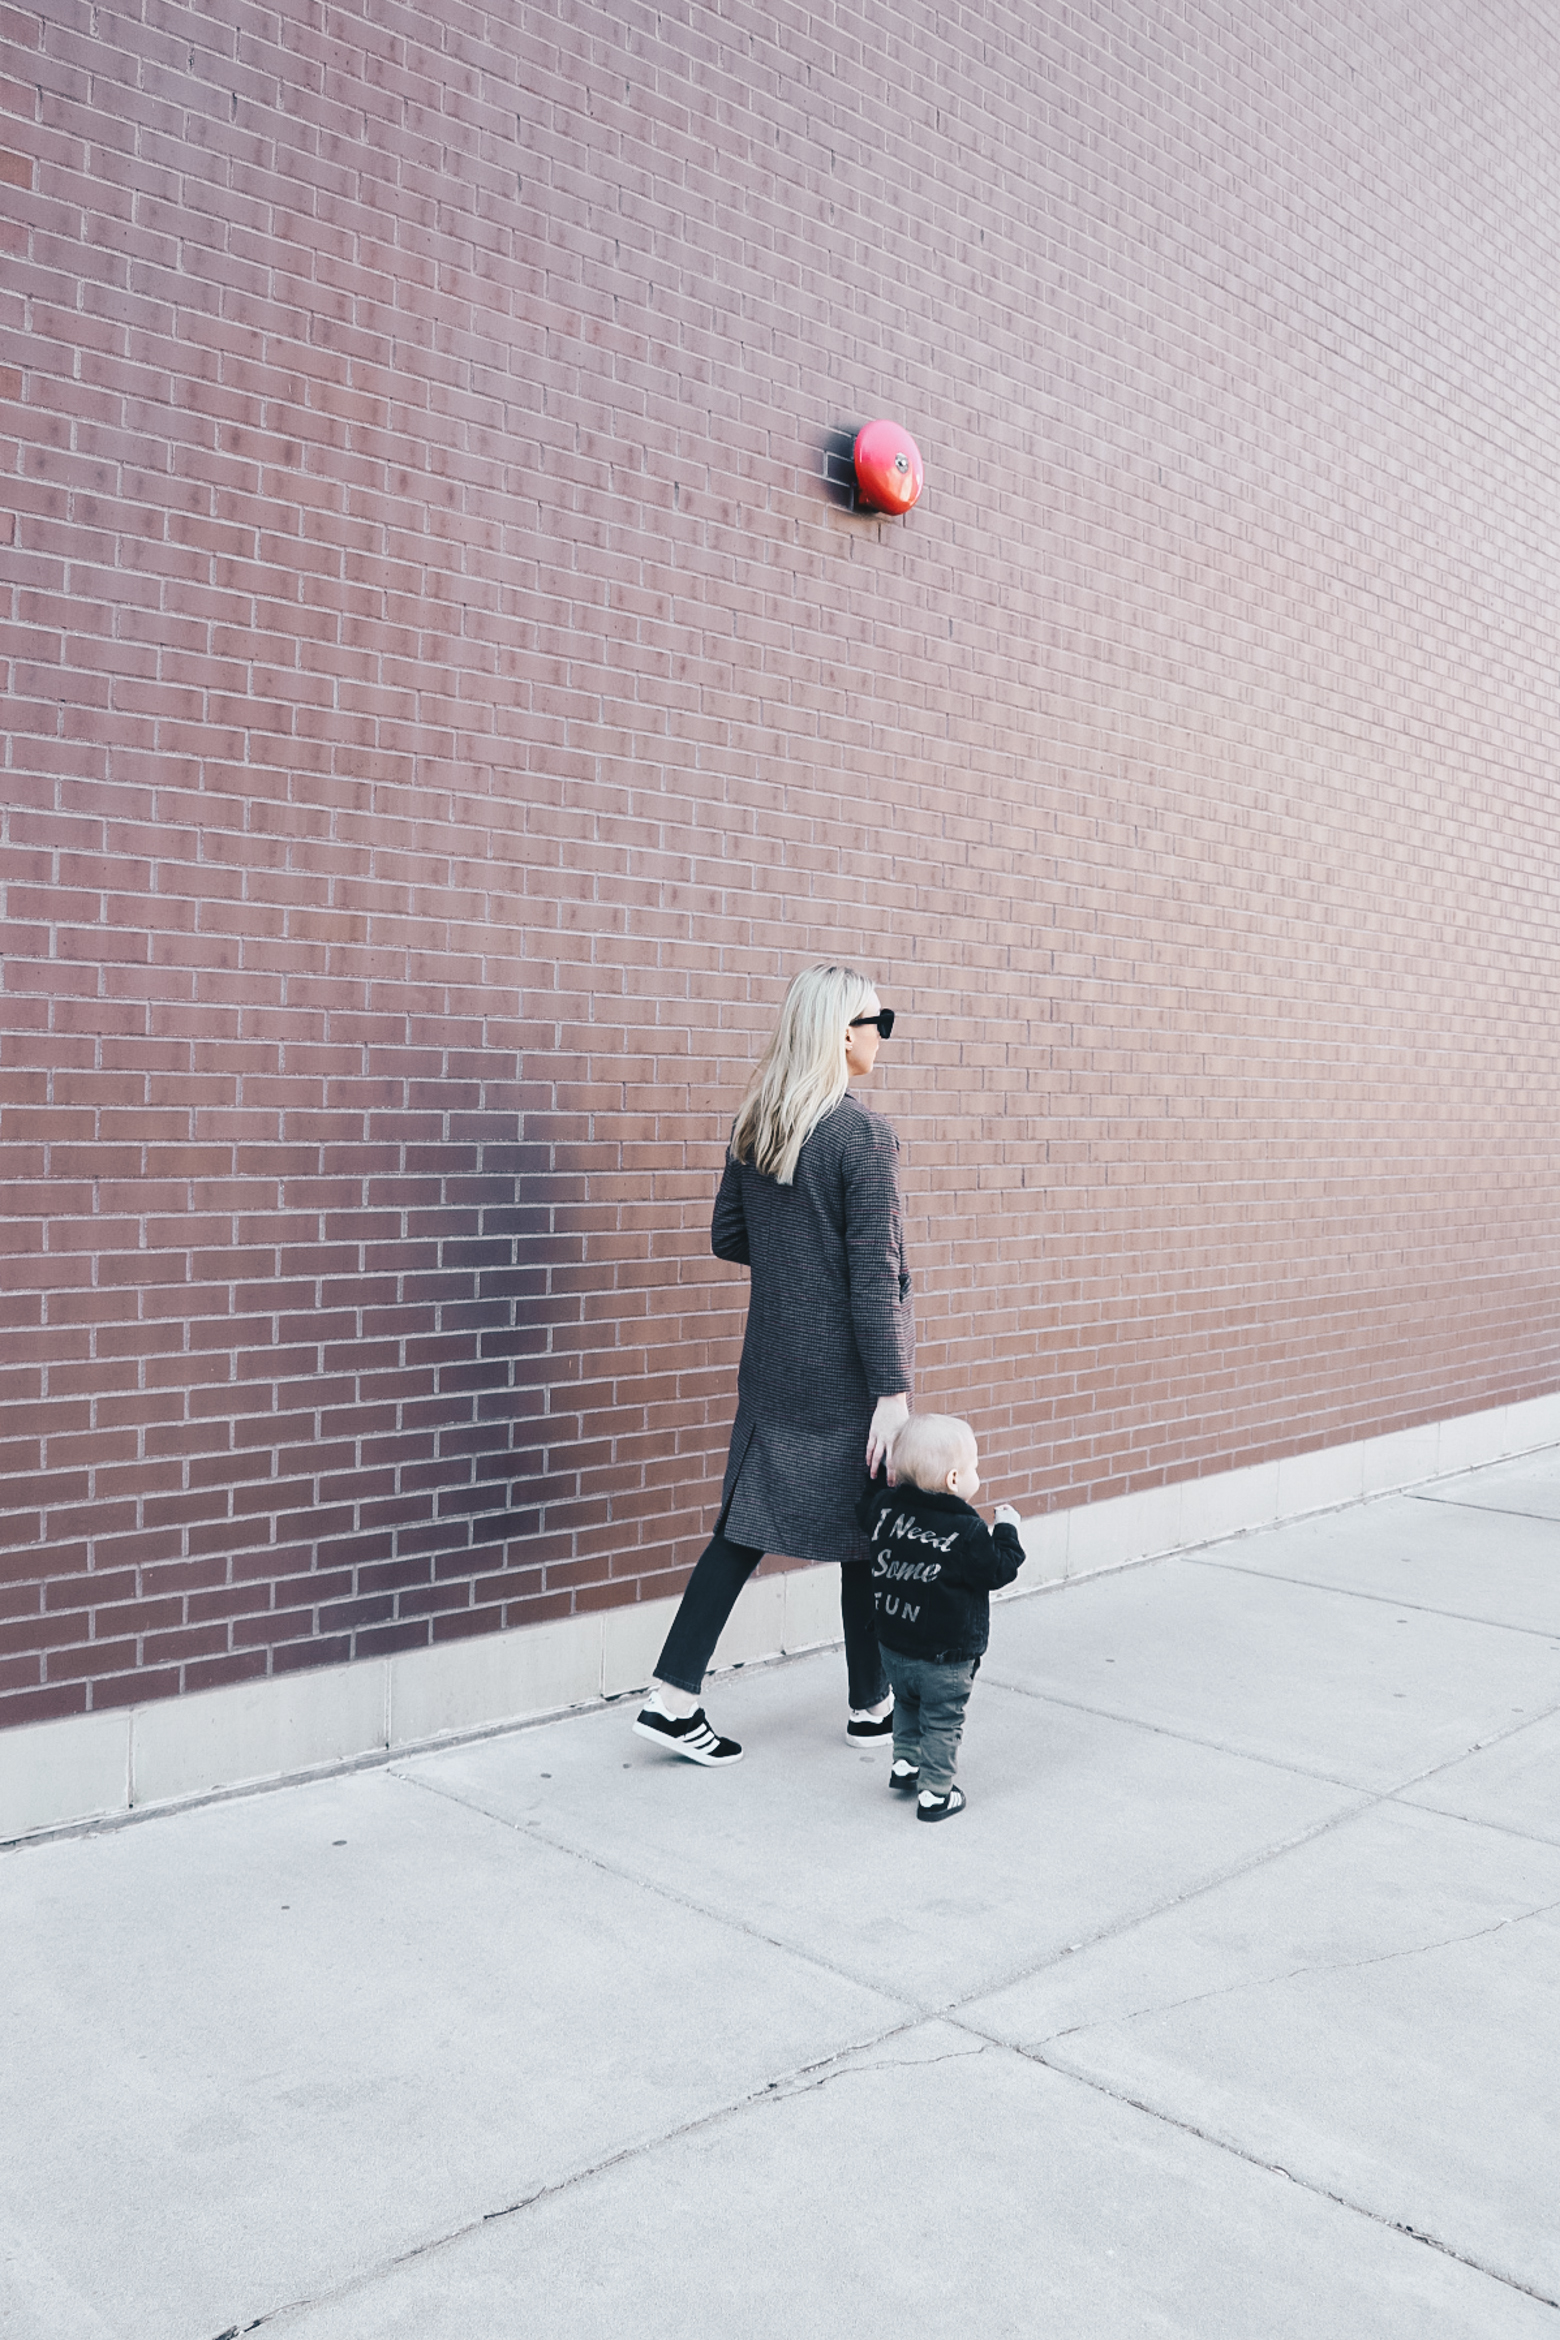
x=889, y=1417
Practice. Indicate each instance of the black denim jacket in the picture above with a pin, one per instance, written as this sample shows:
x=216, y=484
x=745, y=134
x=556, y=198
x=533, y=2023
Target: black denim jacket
x=934, y=1562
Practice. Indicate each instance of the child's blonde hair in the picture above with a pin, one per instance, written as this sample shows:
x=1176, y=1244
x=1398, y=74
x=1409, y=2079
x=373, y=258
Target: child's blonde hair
x=801, y=1075
x=929, y=1447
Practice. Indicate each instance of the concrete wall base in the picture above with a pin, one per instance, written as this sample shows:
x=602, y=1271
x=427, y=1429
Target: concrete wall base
x=94, y=1766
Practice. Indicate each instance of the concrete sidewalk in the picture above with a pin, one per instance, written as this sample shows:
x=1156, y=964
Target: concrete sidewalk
x=1228, y=2007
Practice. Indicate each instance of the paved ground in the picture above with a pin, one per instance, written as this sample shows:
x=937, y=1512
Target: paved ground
x=1229, y=2007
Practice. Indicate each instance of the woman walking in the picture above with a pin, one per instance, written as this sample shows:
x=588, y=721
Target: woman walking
x=810, y=1202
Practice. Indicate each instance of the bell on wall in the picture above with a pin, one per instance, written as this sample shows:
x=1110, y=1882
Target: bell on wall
x=889, y=472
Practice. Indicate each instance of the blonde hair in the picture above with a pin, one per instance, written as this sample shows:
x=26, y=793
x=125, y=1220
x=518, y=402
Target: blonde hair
x=929, y=1447
x=801, y=1075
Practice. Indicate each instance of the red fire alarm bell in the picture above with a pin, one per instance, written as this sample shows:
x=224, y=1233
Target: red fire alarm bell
x=889, y=471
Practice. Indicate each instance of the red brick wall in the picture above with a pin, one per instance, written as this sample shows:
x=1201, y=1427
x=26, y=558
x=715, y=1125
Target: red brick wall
x=447, y=705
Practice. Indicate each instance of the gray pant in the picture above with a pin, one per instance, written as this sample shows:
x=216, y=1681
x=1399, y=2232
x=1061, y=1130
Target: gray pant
x=929, y=1703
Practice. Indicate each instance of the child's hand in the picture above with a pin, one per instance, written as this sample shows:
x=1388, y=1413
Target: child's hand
x=1006, y=1515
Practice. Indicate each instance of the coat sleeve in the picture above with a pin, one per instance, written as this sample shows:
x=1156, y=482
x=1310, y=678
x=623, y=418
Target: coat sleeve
x=728, y=1228
x=987, y=1558
x=881, y=1308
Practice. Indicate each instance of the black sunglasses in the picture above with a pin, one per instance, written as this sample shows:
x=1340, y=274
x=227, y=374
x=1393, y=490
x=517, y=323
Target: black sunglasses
x=884, y=1020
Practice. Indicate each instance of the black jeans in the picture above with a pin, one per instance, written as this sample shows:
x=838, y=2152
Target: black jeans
x=723, y=1568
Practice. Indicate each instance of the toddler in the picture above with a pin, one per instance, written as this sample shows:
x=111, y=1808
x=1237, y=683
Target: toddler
x=934, y=1561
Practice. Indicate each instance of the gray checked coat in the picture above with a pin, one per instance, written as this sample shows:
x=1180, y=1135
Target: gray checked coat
x=830, y=1330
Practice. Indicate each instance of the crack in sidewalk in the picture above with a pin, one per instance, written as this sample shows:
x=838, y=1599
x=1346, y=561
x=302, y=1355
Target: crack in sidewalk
x=847, y=2071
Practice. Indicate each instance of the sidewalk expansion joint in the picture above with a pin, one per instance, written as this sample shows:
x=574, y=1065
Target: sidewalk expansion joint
x=1486, y=1510
x=1351, y=1592
x=1476, y=1820
x=1163, y=1730
x=536, y=1832
x=1496, y=1739
x=1306, y=2185
x=1325, y=1966
x=1366, y=1802
x=802, y=2081
x=1248, y=1866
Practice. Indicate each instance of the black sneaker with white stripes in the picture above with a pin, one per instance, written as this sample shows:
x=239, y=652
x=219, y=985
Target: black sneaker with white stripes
x=691, y=1737
x=866, y=1729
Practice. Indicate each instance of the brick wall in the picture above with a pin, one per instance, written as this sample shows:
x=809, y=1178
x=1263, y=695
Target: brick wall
x=448, y=701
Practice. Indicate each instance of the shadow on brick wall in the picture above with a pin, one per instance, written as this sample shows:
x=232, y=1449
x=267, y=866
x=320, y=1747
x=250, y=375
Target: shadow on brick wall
x=836, y=468
x=452, y=1427
x=328, y=1390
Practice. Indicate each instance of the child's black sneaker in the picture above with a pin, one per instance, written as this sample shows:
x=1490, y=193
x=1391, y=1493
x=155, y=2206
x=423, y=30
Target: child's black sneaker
x=869, y=1728
x=691, y=1737
x=933, y=1807
x=905, y=1778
